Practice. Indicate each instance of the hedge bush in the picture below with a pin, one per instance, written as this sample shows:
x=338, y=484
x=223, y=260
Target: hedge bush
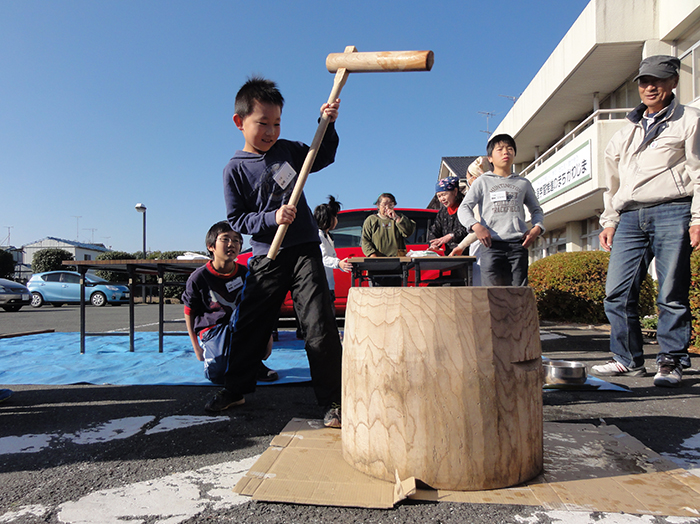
x=50, y=259
x=695, y=299
x=114, y=276
x=571, y=287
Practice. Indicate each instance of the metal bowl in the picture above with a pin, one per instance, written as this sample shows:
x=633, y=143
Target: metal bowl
x=564, y=372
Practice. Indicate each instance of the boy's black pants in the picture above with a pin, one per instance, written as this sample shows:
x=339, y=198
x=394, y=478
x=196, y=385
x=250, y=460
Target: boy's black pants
x=298, y=269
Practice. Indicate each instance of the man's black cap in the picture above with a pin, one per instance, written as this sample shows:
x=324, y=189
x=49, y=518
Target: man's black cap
x=659, y=66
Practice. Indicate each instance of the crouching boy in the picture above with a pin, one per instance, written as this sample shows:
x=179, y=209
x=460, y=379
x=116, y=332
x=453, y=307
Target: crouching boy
x=211, y=296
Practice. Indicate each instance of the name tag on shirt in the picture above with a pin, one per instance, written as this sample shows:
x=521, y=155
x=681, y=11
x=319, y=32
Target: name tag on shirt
x=285, y=175
x=498, y=196
x=233, y=285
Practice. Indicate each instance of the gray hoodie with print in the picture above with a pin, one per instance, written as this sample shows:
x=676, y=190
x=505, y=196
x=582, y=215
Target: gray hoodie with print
x=502, y=203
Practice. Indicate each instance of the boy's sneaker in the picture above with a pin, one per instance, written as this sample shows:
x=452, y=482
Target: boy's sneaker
x=668, y=376
x=223, y=400
x=265, y=374
x=332, y=417
x=614, y=369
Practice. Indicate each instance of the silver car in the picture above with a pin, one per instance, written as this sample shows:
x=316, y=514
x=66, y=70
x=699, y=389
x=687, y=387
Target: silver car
x=13, y=295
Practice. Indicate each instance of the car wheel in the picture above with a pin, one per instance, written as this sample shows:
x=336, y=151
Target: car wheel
x=37, y=299
x=98, y=299
x=11, y=308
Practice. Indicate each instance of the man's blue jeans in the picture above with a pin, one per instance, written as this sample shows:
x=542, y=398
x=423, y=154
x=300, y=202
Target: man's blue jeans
x=660, y=231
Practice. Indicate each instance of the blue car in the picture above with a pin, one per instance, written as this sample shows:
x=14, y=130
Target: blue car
x=63, y=287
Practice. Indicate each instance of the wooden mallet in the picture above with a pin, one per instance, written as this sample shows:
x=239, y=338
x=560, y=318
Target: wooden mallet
x=342, y=64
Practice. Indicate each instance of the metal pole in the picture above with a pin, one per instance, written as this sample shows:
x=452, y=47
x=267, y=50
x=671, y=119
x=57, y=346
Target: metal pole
x=143, y=277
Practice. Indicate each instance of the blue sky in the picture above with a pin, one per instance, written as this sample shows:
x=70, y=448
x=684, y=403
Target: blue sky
x=104, y=104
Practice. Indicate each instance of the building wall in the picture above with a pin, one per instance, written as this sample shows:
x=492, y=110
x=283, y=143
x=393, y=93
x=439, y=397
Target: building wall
x=586, y=86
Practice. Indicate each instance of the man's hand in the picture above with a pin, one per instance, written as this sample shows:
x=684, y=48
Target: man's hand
x=695, y=237
x=531, y=236
x=606, y=238
x=482, y=234
x=456, y=252
x=286, y=214
x=331, y=110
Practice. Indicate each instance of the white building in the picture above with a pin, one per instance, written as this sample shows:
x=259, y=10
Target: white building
x=79, y=250
x=579, y=99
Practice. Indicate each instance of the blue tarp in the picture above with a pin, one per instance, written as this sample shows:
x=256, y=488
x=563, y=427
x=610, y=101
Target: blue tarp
x=55, y=359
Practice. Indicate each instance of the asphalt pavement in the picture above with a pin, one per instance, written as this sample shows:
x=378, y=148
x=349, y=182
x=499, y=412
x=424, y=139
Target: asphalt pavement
x=107, y=454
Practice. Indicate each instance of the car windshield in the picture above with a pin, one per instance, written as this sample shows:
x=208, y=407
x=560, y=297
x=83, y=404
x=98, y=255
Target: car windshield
x=95, y=279
x=348, y=232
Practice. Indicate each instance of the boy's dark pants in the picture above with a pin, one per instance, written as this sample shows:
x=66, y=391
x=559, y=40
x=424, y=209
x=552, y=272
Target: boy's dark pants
x=504, y=264
x=299, y=269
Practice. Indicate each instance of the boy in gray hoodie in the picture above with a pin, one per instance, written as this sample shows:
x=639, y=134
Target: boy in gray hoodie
x=502, y=196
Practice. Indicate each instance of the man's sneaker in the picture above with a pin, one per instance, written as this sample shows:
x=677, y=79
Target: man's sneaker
x=614, y=369
x=332, y=417
x=265, y=374
x=223, y=400
x=668, y=376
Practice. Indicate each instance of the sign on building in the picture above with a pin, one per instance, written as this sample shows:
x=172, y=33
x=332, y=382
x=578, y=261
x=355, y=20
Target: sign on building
x=569, y=172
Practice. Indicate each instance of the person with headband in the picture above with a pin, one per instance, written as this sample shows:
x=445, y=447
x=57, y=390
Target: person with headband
x=447, y=231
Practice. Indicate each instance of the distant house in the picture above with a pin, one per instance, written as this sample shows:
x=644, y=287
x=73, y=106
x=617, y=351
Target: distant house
x=20, y=273
x=453, y=166
x=79, y=250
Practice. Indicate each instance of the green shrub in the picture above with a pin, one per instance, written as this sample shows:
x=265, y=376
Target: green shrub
x=50, y=259
x=695, y=299
x=7, y=264
x=114, y=276
x=571, y=287
x=173, y=291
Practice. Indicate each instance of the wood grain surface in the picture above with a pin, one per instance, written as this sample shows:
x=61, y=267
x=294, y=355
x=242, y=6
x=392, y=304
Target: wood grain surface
x=443, y=384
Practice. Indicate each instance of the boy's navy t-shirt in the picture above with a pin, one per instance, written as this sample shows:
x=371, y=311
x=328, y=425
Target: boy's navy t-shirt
x=256, y=186
x=211, y=297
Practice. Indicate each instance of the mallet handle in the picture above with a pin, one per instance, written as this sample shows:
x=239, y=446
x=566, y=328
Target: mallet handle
x=381, y=61
x=341, y=77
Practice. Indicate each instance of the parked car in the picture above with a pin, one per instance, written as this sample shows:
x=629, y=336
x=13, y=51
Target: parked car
x=13, y=295
x=63, y=287
x=347, y=237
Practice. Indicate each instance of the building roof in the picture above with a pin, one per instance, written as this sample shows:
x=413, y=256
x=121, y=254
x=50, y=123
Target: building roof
x=455, y=165
x=74, y=243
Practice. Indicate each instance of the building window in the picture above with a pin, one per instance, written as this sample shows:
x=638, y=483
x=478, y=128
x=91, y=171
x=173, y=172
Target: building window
x=589, y=238
x=87, y=257
x=689, y=78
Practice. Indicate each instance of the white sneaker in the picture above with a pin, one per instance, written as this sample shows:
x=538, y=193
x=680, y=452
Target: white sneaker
x=613, y=368
x=668, y=376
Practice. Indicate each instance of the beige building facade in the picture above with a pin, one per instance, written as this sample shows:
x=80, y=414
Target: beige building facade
x=564, y=119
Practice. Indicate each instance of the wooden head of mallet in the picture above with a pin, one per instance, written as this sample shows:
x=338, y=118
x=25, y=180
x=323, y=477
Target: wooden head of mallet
x=342, y=64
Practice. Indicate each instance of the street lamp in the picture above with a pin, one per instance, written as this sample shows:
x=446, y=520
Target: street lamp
x=142, y=209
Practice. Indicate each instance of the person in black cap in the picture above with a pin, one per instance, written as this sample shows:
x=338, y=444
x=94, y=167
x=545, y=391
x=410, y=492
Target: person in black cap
x=652, y=209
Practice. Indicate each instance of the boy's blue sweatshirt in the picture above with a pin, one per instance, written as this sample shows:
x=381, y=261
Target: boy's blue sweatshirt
x=253, y=196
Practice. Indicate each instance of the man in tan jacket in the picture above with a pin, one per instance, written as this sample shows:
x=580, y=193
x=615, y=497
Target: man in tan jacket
x=652, y=209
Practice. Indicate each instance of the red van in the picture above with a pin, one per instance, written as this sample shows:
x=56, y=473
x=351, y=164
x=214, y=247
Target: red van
x=347, y=237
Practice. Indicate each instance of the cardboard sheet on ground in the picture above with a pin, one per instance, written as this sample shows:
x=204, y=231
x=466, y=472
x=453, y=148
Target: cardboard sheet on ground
x=586, y=468
x=55, y=359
